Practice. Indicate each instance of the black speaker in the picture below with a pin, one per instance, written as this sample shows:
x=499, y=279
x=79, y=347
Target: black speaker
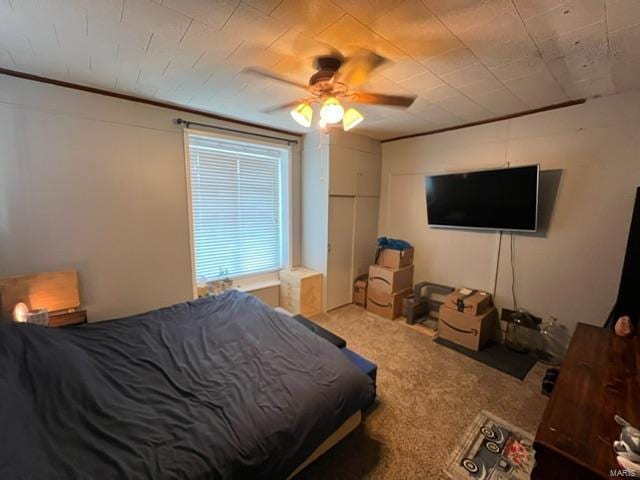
x=628, y=302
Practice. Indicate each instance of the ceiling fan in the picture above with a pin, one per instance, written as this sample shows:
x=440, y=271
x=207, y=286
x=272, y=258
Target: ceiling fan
x=335, y=80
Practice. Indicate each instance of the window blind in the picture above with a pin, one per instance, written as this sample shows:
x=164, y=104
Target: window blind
x=237, y=206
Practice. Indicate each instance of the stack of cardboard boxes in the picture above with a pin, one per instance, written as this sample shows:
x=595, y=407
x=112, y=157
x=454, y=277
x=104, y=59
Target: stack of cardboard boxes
x=468, y=318
x=390, y=280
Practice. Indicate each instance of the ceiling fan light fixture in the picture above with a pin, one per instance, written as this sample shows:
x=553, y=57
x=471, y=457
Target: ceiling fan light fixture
x=332, y=111
x=352, y=117
x=303, y=114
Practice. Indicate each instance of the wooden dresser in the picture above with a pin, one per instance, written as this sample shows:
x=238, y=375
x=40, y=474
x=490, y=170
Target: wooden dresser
x=599, y=378
x=301, y=291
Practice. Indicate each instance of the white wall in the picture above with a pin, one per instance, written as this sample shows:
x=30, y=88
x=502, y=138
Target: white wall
x=572, y=270
x=97, y=184
x=315, y=201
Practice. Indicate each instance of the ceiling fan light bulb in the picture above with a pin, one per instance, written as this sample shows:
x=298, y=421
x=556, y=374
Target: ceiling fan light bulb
x=332, y=111
x=352, y=117
x=303, y=114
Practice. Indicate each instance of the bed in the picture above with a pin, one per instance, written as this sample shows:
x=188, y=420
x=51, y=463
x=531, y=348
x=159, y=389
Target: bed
x=221, y=387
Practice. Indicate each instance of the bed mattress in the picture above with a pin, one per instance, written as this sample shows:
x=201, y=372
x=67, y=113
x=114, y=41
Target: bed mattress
x=222, y=387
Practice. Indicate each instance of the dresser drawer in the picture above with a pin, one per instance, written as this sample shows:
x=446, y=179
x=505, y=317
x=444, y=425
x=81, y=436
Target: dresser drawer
x=301, y=291
x=289, y=290
x=289, y=294
x=290, y=305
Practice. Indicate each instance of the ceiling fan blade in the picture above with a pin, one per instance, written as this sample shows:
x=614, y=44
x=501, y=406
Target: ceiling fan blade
x=331, y=50
x=355, y=70
x=273, y=76
x=284, y=106
x=404, y=101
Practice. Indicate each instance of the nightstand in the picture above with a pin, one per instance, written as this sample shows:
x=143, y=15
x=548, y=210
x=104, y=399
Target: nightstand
x=301, y=291
x=68, y=318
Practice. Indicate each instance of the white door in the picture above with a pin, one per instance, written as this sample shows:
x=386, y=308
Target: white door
x=368, y=175
x=340, y=248
x=365, y=233
x=343, y=170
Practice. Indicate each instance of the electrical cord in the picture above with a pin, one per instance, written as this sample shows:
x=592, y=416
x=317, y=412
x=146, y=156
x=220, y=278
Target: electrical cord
x=507, y=164
x=495, y=278
x=513, y=274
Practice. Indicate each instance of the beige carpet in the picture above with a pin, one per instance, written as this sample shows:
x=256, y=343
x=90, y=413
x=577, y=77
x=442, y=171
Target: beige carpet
x=427, y=395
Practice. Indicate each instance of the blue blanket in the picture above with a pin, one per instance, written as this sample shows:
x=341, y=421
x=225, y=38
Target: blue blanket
x=221, y=387
x=392, y=243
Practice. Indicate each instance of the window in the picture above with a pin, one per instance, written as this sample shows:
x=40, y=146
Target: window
x=239, y=206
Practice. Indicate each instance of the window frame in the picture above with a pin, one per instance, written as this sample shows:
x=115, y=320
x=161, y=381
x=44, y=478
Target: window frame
x=286, y=194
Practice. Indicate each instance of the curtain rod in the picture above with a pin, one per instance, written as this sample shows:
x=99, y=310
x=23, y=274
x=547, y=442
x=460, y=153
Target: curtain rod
x=188, y=123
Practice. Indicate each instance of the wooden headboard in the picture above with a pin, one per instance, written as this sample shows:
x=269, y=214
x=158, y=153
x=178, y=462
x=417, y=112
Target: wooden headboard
x=54, y=291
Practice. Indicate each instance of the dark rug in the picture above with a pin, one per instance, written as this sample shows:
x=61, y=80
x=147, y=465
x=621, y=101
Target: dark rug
x=497, y=356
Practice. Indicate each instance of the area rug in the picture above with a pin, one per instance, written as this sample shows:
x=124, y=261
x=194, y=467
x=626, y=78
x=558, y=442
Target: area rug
x=497, y=356
x=492, y=449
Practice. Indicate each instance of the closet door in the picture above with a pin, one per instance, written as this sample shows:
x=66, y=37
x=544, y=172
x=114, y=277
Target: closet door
x=368, y=175
x=343, y=171
x=365, y=233
x=340, y=251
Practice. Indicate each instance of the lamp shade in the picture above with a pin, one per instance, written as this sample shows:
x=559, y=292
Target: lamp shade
x=303, y=114
x=352, y=117
x=20, y=312
x=332, y=111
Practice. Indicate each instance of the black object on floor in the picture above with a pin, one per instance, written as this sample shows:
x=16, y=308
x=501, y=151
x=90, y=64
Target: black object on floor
x=497, y=356
x=318, y=330
x=549, y=381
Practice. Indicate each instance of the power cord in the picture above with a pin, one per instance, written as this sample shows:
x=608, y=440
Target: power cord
x=506, y=164
x=513, y=274
x=495, y=277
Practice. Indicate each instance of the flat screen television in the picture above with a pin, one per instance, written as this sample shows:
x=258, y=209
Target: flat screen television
x=499, y=199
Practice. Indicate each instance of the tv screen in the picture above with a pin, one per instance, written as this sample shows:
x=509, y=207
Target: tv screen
x=502, y=199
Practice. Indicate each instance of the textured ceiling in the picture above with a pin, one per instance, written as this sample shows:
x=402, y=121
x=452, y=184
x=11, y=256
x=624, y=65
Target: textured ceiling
x=468, y=60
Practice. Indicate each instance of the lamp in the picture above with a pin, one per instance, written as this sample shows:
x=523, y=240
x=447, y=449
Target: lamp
x=332, y=111
x=352, y=117
x=20, y=312
x=303, y=114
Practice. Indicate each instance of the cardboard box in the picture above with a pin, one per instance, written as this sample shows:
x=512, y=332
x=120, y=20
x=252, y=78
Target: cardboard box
x=360, y=292
x=395, y=258
x=386, y=281
x=472, y=302
x=387, y=305
x=471, y=331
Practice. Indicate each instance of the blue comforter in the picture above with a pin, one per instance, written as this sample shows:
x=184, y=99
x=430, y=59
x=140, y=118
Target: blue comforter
x=221, y=387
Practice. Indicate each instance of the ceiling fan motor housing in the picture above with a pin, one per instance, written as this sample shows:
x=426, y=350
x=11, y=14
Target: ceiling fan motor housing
x=329, y=63
x=321, y=83
x=327, y=67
